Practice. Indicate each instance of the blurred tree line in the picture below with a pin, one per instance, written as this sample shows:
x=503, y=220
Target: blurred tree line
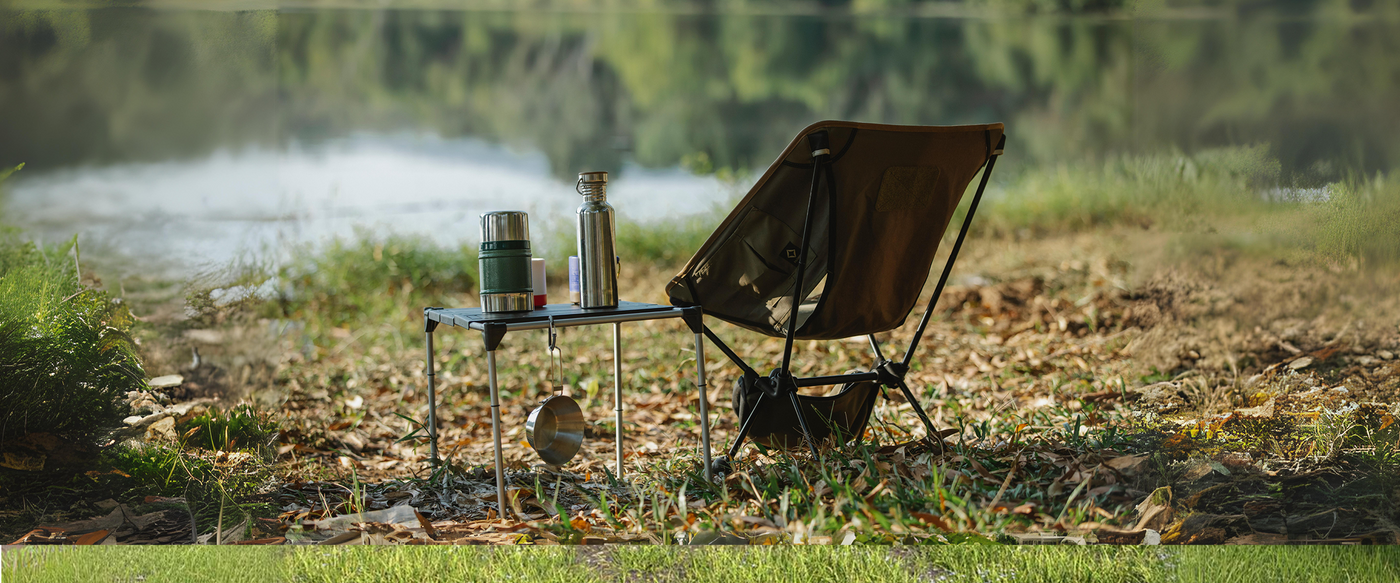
x=713, y=91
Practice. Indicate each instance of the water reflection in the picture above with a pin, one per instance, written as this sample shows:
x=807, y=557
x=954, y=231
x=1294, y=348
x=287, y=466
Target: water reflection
x=207, y=212
x=177, y=113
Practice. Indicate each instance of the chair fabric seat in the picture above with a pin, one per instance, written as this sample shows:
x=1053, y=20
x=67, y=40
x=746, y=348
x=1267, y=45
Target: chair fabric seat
x=844, y=415
x=885, y=202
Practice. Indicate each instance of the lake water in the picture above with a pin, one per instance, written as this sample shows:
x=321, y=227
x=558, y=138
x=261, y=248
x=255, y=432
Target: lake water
x=185, y=138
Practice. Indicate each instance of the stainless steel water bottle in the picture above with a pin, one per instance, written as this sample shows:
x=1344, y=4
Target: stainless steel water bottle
x=504, y=262
x=597, y=243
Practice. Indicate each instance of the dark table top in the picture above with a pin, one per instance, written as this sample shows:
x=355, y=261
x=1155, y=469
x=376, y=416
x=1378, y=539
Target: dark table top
x=465, y=317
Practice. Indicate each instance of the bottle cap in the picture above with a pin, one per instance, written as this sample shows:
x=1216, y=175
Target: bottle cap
x=595, y=176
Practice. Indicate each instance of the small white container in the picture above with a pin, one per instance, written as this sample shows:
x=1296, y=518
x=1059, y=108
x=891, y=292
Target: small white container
x=537, y=278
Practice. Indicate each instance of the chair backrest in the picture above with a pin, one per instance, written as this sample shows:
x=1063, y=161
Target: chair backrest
x=884, y=203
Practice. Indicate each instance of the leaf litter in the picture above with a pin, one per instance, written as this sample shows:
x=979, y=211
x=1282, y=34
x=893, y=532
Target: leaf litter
x=1080, y=409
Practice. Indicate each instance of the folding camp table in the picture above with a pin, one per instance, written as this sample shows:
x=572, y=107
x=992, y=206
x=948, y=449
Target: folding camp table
x=493, y=328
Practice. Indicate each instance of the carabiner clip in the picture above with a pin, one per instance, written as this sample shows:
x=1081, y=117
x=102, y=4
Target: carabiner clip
x=553, y=336
x=556, y=360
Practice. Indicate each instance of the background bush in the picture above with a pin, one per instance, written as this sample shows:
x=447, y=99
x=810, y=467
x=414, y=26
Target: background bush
x=66, y=359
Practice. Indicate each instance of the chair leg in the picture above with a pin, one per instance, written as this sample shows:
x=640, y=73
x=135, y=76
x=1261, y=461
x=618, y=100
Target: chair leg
x=744, y=429
x=802, y=420
x=928, y=425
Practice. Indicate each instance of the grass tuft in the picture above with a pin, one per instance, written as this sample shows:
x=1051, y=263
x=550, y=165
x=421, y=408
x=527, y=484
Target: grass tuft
x=239, y=428
x=66, y=356
x=371, y=282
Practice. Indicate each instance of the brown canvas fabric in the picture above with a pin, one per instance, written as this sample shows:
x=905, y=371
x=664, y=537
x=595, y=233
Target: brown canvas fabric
x=879, y=215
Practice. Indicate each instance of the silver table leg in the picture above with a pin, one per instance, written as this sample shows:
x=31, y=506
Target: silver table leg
x=432, y=404
x=704, y=405
x=617, y=390
x=496, y=433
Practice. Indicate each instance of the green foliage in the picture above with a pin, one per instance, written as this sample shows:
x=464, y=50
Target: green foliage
x=217, y=487
x=1361, y=221
x=1044, y=564
x=241, y=427
x=1288, y=564
x=189, y=563
x=154, y=470
x=552, y=564
x=723, y=89
x=665, y=244
x=66, y=357
x=7, y=172
x=373, y=281
x=1169, y=190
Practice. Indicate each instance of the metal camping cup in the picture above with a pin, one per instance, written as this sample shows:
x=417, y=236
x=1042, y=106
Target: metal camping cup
x=597, y=242
x=555, y=428
x=504, y=262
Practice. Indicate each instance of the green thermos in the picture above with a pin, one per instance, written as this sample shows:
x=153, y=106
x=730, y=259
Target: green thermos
x=504, y=261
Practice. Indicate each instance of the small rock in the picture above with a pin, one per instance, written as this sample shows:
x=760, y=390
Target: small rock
x=1366, y=361
x=191, y=412
x=163, y=429
x=166, y=381
x=1300, y=363
x=137, y=421
x=1386, y=354
x=146, y=407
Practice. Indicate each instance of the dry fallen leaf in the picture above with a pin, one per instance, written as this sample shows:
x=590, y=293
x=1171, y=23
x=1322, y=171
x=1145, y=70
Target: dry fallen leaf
x=1156, y=511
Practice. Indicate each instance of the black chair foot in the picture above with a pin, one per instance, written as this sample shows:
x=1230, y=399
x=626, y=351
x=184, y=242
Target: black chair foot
x=721, y=467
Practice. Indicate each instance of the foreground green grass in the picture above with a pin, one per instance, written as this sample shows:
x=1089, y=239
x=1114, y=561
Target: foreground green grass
x=130, y=564
x=950, y=564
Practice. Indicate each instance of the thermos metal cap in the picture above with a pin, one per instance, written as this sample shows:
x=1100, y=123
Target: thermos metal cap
x=593, y=177
x=505, y=226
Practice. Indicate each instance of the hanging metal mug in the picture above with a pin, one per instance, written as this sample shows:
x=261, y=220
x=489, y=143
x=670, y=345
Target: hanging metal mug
x=555, y=428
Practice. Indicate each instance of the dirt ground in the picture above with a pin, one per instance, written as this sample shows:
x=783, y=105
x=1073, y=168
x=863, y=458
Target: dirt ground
x=1117, y=387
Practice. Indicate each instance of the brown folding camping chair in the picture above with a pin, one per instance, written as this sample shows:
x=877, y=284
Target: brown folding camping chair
x=872, y=203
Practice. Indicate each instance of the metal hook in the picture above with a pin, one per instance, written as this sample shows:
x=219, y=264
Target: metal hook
x=553, y=336
x=555, y=355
